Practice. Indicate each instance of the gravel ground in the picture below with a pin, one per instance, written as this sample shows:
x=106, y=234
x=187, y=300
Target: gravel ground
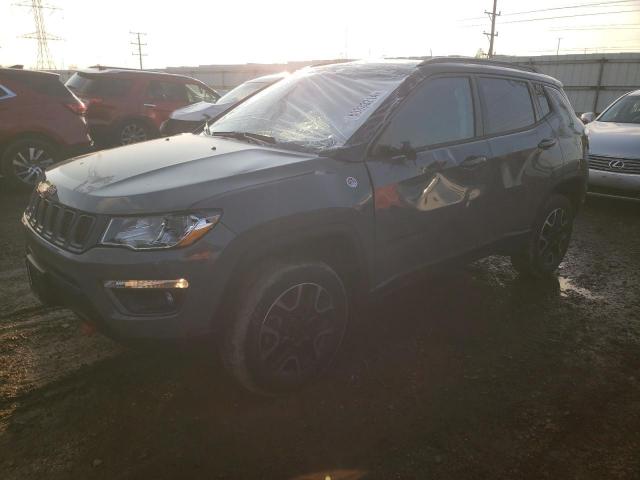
x=474, y=373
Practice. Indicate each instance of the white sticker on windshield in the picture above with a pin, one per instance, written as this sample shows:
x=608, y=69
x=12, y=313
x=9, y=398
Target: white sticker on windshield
x=357, y=111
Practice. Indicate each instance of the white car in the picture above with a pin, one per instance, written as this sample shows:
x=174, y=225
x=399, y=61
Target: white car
x=192, y=117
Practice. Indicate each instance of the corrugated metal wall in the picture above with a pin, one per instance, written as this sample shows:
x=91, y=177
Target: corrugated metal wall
x=591, y=81
x=225, y=77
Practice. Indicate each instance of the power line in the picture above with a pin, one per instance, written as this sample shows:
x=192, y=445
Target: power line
x=582, y=5
x=601, y=4
x=558, y=17
x=139, y=45
x=588, y=29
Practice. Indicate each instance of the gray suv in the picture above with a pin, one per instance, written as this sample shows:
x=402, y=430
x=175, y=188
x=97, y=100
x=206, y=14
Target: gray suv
x=335, y=183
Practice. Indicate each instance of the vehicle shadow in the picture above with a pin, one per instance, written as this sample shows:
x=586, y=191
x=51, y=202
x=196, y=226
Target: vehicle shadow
x=421, y=373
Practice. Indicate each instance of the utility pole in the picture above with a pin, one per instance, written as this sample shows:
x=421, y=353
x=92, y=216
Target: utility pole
x=558, y=49
x=139, y=44
x=492, y=15
x=44, y=61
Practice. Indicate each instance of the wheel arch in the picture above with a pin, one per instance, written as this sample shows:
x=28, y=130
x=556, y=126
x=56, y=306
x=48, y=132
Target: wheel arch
x=135, y=118
x=27, y=134
x=336, y=245
x=574, y=189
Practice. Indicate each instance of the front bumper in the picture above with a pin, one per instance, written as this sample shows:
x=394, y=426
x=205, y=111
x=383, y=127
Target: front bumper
x=76, y=281
x=614, y=184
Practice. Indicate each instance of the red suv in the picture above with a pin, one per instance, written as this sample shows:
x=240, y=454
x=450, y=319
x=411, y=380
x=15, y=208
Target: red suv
x=41, y=122
x=128, y=106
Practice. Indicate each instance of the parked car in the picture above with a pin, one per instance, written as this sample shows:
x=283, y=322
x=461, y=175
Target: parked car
x=192, y=117
x=614, y=148
x=128, y=106
x=41, y=122
x=335, y=183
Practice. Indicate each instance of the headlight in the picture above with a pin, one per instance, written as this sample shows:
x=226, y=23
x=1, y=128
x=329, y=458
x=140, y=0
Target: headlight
x=158, y=231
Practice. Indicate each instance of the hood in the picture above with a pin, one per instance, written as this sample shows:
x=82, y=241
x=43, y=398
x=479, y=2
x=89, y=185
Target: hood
x=199, y=111
x=612, y=139
x=170, y=174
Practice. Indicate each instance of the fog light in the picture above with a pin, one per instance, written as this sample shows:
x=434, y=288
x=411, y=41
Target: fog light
x=146, y=297
x=164, y=284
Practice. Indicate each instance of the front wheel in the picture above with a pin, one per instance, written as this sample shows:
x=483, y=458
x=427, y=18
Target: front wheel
x=549, y=239
x=288, y=324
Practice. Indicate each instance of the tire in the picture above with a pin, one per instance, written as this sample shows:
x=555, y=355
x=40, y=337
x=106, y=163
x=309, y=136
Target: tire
x=133, y=131
x=23, y=162
x=288, y=324
x=549, y=239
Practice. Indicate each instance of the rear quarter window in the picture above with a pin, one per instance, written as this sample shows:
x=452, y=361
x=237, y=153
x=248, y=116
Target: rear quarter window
x=562, y=105
x=5, y=93
x=543, y=101
x=507, y=104
x=100, y=86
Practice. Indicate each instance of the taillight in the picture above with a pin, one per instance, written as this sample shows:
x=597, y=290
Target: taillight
x=76, y=107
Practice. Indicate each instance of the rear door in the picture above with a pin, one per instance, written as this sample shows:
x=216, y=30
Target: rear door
x=428, y=172
x=524, y=153
x=567, y=126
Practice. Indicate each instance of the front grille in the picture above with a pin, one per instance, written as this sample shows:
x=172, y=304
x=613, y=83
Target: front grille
x=630, y=166
x=66, y=227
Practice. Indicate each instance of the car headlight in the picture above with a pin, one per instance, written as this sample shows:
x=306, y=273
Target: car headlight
x=158, y=231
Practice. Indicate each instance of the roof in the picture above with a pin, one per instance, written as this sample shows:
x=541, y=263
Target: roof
x=488, y=66
x=17, y=72
x=272, y=78
x=98, y=70
x=400, y=68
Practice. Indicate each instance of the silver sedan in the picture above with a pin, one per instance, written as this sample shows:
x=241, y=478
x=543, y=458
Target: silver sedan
x=614, y=148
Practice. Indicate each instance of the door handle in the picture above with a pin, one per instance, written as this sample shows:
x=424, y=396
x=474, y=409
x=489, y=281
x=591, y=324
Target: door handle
x=474, y=161
x=150, y=105
x=547, y=143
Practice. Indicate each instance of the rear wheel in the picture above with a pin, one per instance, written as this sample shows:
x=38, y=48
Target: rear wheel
x=287, y=327
x=549, y=239
x=25, y=160
x=133, y=131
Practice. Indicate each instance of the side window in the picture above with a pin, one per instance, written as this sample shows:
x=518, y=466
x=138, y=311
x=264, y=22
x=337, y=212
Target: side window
x=111, y=87
x=561, y=105
x=507, y=104
x=196, y=93
x=440, y=111
x=543, y=101
x=171, y=92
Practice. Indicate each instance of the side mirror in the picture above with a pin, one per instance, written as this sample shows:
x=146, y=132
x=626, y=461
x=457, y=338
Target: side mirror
x=587, y=117
x=388, y=152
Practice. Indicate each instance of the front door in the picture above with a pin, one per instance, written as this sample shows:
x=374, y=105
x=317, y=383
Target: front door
x=428, y=170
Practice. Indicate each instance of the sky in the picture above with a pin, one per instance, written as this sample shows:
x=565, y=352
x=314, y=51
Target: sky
x=199, y=32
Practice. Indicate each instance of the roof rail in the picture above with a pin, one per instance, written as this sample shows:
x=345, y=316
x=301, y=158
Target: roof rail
x=478, y=61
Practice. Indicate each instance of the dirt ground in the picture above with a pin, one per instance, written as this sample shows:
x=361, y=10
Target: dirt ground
x=466, y=375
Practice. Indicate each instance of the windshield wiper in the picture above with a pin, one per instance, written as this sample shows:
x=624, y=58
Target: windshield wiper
x=253, y=137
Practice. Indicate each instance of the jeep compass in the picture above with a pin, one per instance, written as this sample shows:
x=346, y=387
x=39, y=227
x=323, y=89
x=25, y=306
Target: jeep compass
x=336, y=182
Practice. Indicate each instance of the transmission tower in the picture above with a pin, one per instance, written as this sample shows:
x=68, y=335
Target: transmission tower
x=44, y=61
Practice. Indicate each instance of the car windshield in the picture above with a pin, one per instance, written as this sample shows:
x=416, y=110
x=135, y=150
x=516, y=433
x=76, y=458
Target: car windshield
x=314, y=109
x=241, y=92
x=625, y=110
